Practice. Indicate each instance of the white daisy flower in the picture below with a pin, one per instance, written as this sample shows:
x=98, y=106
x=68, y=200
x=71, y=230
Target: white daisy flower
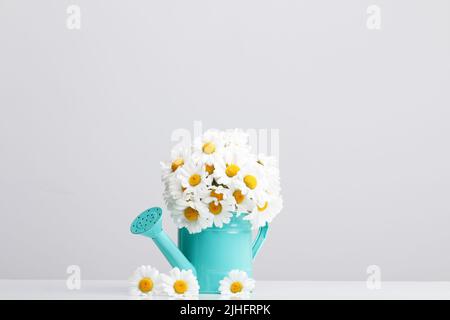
x=227, y=170
x=209, y=169
x=242, y=203
x=193, y=177
x=264, y=212
x=179, y=156
x=173, y=191
x=180, y=283
x=192, y=215
x=271, y=173
x=237, y=284
x=252, y=181
x=220, y=205
x=145, y=281
x=209, y=146
x=216, y=193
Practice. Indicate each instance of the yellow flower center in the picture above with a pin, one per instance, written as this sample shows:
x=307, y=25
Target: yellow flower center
x=209, y=168
x=209, y=148
x=238, y=196
x=191, y=214
x=264, y=207
x=218, y=196
x=215, y=208
x=177, y=163
x=180, y=286
x=250, y=181
x=146, y=285
x=232, y=170
x=195, y=179
x=236, y=287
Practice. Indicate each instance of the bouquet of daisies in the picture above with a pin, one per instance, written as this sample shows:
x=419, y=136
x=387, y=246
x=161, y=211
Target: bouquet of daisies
x=218, y=176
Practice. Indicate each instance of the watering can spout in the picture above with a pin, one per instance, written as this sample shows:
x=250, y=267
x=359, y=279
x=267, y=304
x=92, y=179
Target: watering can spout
x=149, y=224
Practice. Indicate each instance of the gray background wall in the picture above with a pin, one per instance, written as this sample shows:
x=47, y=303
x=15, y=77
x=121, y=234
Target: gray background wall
x=86, y=116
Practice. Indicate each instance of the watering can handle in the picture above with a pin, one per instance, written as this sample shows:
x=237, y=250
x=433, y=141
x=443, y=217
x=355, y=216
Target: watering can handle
x=260, y=237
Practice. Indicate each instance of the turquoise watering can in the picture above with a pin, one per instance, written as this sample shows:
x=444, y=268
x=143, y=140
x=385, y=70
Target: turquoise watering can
x=210, y=254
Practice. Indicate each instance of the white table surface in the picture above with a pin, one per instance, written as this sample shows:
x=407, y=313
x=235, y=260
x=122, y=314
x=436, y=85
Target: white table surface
x=103, y=289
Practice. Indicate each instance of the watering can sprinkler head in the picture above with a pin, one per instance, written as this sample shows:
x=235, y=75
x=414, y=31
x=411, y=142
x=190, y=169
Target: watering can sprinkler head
x=149, y=224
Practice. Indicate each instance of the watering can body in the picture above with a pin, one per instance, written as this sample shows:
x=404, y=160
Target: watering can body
x=212, y=253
